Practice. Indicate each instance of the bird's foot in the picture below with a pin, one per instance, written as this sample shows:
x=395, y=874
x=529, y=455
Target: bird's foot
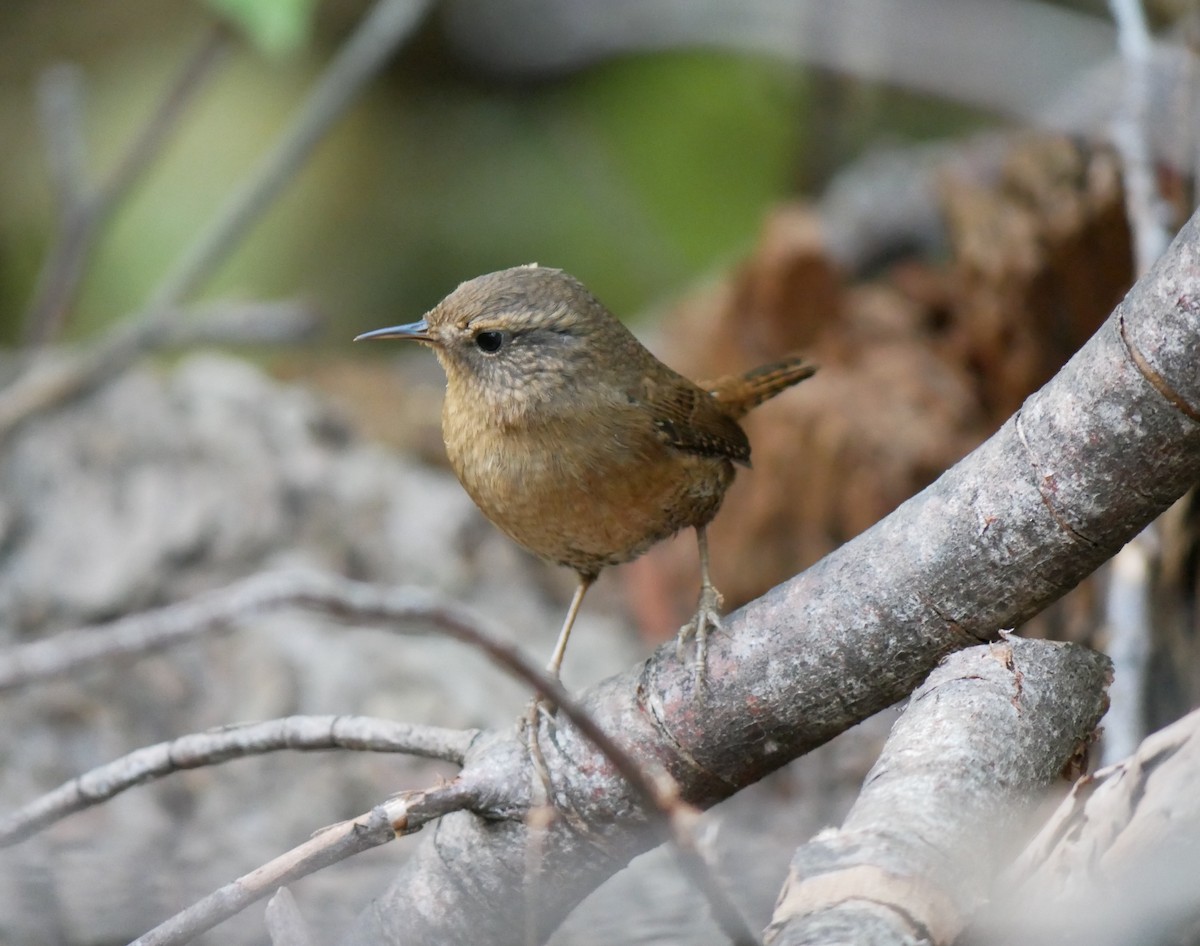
x=706, y=618
x=540, y=708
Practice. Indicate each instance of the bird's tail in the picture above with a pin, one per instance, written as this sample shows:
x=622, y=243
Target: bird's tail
x=740, y=393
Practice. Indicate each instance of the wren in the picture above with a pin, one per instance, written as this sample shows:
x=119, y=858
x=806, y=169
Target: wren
x=573, y=438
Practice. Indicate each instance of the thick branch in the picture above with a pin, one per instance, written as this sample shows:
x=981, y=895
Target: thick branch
x=296, y=733
x=951, y=795
x=1086, y=463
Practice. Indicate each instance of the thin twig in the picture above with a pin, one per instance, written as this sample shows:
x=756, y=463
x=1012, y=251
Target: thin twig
x=60, y=114
x=395, y=609
x=45, y=386
x=400, y=815
x=296, y=733
x=215, y=611
x=276, y=322
x=84, y=211
x=1148, y=213
x=658, y=790
x=1127, y=617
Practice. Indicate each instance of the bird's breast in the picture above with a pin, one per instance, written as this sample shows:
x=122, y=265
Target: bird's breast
x=585, y=491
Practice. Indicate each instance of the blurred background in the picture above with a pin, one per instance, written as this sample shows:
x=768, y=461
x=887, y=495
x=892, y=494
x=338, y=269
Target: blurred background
x=639, y=169
x=925, y=196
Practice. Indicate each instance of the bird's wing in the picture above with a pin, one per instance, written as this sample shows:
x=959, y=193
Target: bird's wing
x=690, y=419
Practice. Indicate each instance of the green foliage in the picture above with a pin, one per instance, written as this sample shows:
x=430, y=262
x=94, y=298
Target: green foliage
x=635, y=175
x=276, y=27
x=705, y=142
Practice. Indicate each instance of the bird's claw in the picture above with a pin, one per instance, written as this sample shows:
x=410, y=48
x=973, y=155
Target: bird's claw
x=706, y=618
x=540, y=709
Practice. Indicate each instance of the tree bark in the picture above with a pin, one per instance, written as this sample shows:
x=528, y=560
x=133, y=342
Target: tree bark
x=951, y=797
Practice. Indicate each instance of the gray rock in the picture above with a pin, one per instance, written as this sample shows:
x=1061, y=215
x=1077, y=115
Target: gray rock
x=167, y=484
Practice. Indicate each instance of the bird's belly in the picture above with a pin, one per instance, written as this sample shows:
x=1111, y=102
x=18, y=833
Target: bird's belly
x=588, y=508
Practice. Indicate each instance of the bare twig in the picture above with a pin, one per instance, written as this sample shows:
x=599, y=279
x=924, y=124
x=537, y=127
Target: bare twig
x=279, y=322
x=1149, y=215
x=297, y=733
x=361, y=602
x=657, y=789
x=83, y=211
x=382, y=824
x=45, y=386
x=1127, y=617
x=60, y=113
x=163, y=627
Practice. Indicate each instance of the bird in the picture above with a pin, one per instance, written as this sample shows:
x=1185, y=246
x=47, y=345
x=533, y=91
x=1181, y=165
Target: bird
x=574, y=439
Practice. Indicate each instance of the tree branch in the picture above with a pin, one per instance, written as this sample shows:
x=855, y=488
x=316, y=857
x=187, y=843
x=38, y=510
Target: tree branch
x=1149, y=215
x=952, y=794
x=296, y=733
x=1127, y=605
x=380, y=825
x=1085, y=464
x=60, y=114
x=143, y=633
x=84, y=211
x=346, y=599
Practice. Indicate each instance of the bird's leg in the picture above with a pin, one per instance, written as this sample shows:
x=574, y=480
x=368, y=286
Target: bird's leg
x=541, y=705
x=560, y=648
x=708, y=611
x=540, y=702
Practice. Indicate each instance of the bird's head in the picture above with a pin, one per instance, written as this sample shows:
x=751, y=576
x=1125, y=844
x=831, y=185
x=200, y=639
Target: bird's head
x=523, y=333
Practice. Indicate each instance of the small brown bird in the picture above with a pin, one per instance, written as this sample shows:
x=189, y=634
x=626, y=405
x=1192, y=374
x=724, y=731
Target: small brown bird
x=573, y=438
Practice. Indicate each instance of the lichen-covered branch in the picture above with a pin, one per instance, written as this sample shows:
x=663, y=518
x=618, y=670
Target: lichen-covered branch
x=953, y=792
x=1086, y=463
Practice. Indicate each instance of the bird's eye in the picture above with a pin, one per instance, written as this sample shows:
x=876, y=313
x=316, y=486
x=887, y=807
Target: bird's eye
x=489, y=342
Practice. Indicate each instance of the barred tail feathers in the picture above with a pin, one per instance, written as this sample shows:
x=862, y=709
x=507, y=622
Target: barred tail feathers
x=740, y=393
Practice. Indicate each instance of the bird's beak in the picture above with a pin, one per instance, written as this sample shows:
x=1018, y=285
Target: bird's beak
x=415, y=331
